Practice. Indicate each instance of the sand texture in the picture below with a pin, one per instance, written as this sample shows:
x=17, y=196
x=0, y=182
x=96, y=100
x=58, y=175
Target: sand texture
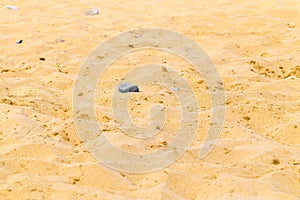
x=255, y=46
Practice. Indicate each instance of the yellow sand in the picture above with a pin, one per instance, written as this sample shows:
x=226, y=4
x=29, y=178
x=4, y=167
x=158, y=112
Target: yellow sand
x=256, y=48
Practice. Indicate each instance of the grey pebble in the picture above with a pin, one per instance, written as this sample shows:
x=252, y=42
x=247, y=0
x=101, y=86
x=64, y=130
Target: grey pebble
x=12, y=7
x=19, y=42
x=175, y=89
x=127, y=87
x=93, y=11
x=59, y=40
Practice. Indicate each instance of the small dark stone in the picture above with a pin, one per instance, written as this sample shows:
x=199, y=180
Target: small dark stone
x=43, y=59
x=127, y=87
x=275, y=162
x=246, y=118
x=19, y=42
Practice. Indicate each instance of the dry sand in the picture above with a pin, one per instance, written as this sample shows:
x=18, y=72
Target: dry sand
x=256, y=48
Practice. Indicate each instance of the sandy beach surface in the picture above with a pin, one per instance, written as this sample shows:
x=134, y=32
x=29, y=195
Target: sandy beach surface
x=255, y=46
